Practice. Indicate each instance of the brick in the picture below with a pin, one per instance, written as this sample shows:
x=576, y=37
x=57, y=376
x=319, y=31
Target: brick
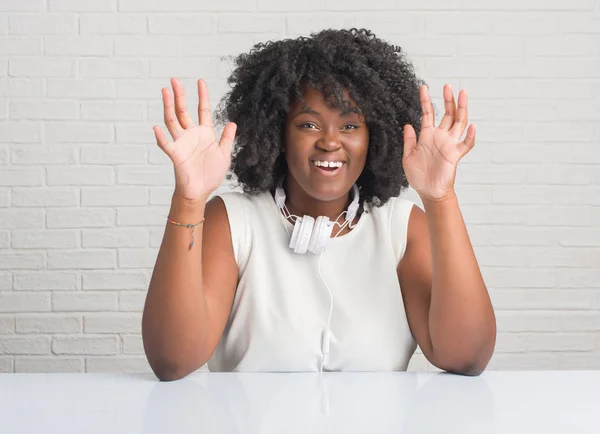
x=524, y=361
x=22, y=219
x=131, y=133
x=21, y=87
x=132, y=344
x=20, y=46
x=6, y=365
x=132, y=301
x=113, y=323
x=147, y=46
x=142, y=216
x=20, y=132
x=512, y=277
x=49, y=323
x=115, y=237
x=560, y=342
x=29, y=261
x=80, y=218
x=4, y=243
x=45, y=239
x=157, y=156
x=542, y=299
x=81, y=89
x=469, y=67
x=558, y=257
x=25, y=345
x=429, y=46
x=44, y=155
x=140, y=89
x=222, y=6
x=494, y=214
x=522, y=236
x=115, y=280
x=86, y=132
x=46, y=280
x=21, y=177
x=584, y=154
x=118, y=365
x=579, y=195
x=81, y=259
x=582, y=237
x=113, y=155
x=113, y=68
x=458, y=23
x=80, y=46
x=186, y=24
x=584, y=67
x=42, y=67
x=43, y=24
x=557, y=216
x=161, y=196
x=84, y=301
x=113, y=111
x=510, y=343
x=518, y=5
x=580, y=322
x=88, y=175
x=577, y=278
x=276, y=6
x=137, y=258
x=563, y=45
x=24, y=302
x=516, y=321
x=525, y=195
x=4, y=198
x=225, y=44
x=114, y=196
x=538, y=132
x=23, y=6
x=502, y=256
x=44, y=197
x=191, y=68
x=579, y=361
x=525, y=23
x=78, y=6
x=84, y=345
x=145, y=176
x=111, y=24
x=49, y=365
x=250, y=23
x=7, y=325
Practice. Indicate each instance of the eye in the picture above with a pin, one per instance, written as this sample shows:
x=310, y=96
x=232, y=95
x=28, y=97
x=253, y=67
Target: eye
x=354, y=127
x=307, y=123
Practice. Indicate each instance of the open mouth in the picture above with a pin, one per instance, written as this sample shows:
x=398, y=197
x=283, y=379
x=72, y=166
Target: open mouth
x=328, y=166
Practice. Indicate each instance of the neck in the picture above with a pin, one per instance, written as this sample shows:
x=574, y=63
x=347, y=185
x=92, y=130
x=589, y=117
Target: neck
x=300, y=203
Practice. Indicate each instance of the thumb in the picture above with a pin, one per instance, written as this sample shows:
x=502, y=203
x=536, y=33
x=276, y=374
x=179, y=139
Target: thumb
x=227, y=138
x=410, y=141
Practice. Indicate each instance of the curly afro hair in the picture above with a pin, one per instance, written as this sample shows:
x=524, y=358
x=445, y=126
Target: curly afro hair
x=267, y=80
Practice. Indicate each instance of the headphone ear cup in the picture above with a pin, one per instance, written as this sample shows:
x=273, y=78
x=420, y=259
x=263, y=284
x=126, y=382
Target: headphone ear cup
x=320, y=235
x=302, y=233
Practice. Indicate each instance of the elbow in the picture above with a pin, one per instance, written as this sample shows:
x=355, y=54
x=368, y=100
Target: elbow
x=168, y=371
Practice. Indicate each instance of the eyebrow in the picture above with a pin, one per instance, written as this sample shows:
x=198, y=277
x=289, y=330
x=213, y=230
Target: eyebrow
x=308, y=110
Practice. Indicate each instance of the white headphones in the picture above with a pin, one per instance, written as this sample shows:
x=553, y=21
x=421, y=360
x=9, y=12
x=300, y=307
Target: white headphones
x=310, y=234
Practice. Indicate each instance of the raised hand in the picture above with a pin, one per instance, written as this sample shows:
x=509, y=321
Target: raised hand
x=200, y=162
x=430, y=165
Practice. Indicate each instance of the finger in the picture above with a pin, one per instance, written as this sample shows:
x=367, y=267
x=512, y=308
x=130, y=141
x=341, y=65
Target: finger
x=204, y=115
x=180, y=105
x=410, y=141
x=428, y=117
x=462, y=117
x=170, y=118
x=162, y=141
x=466, y=145
x=450, y=106
x=227, y=138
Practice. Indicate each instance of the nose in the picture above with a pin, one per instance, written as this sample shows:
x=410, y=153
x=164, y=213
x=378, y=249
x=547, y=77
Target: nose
x=330, y=140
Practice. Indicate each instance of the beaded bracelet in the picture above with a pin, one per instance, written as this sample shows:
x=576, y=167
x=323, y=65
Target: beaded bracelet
x=192, y=226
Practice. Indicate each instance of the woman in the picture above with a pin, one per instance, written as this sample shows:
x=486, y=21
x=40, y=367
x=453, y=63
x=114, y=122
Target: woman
x=326, y=130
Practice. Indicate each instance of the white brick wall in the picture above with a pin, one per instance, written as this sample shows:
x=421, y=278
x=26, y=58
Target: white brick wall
x=84, y=190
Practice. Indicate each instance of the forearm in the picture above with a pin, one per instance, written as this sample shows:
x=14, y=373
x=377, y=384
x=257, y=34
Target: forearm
x=174, y=320
x=462, y=323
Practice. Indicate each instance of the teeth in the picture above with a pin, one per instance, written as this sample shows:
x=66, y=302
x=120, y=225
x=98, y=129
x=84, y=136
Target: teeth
x=328, y=163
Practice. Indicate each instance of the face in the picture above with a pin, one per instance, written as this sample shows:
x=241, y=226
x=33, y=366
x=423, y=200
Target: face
x=325, y=149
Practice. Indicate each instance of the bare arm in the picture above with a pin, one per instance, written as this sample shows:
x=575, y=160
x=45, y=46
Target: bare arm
x=191, y=291
x=447, y=303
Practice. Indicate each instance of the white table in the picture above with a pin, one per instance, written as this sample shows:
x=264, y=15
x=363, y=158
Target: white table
x=374, y=403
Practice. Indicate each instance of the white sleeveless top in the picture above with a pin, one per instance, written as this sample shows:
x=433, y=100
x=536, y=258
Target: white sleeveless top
x=281, y=305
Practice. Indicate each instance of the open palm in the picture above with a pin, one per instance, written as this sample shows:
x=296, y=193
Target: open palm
x=430, y=165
